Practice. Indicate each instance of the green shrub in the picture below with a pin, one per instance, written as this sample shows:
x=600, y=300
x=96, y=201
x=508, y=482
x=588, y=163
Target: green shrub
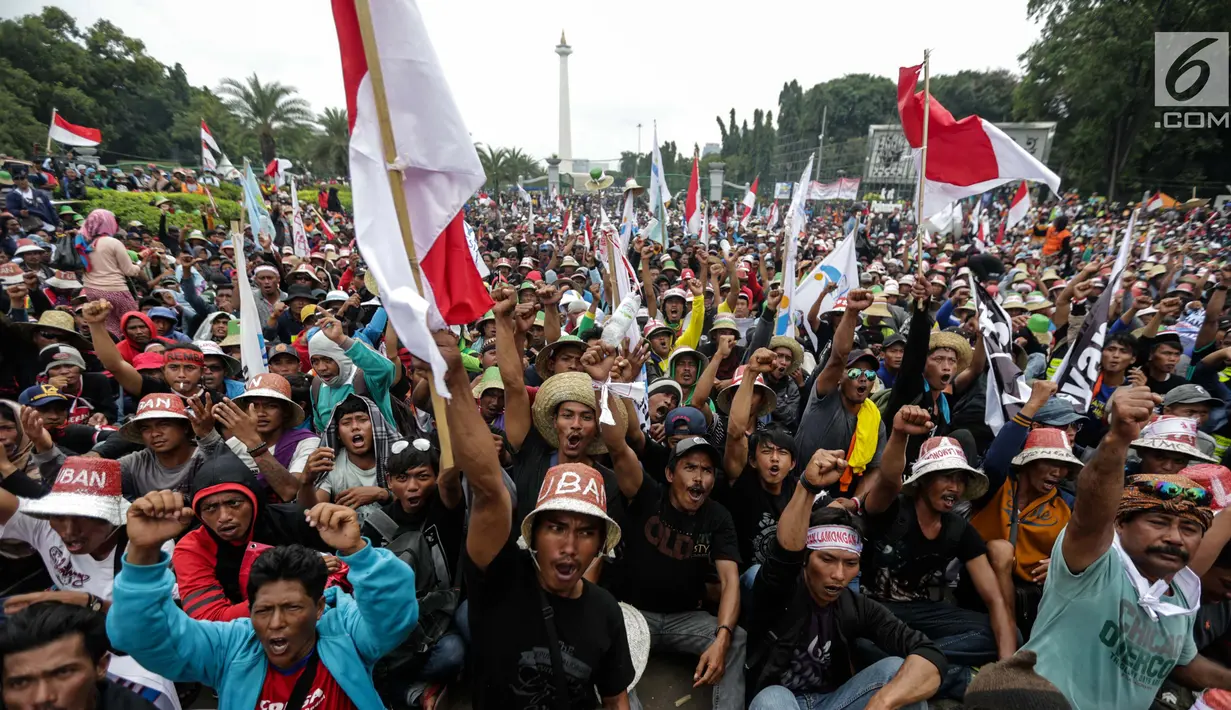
x=309, y=195
x=128, y=206
x=227, y=191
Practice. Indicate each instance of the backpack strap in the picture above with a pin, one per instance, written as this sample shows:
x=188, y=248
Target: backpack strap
x=316, y=390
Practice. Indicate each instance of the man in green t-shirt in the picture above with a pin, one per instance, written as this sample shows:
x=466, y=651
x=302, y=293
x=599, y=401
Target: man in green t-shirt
x=1117, y=613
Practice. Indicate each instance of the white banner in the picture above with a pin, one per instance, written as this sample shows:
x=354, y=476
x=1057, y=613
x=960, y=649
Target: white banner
x=843, y=189
x=782, y=190
x=299, y=235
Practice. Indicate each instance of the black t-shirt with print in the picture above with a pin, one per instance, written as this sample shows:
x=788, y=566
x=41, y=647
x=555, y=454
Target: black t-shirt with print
x=512, y=663
x=440, y=526
x=665, y=555
x=904, y=569
x=808, y=669
x=755, y=512
x=530, y=466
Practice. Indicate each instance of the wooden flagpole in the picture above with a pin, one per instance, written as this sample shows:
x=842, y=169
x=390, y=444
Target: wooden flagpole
x=923, y=159
x=53, y=123
x=363, y=13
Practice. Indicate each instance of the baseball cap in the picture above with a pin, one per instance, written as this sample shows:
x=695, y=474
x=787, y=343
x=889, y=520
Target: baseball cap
x=282, y=349
x=41, y=396
x=895, y=339
x=688, y=421
x=691, y=444
x=857, y=355
x=1191, y=394
x=1057, y=413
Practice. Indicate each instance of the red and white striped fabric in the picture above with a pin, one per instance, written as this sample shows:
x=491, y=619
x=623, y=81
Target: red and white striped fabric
x=692, y=203
x=62, y=131
x=1019, y=206
x=750, y=203
x=440, y=172
x=208, y=138
x=965, y=157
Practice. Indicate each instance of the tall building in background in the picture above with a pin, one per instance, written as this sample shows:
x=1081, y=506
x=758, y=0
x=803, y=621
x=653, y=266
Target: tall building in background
x=566, y=129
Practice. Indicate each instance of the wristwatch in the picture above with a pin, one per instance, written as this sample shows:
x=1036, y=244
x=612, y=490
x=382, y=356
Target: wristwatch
x=93, y=603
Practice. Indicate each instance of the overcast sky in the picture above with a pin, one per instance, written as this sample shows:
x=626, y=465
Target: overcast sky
x=680, y=62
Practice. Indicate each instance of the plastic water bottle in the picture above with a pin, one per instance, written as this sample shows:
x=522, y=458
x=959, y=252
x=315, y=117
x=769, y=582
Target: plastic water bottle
x=617, y=326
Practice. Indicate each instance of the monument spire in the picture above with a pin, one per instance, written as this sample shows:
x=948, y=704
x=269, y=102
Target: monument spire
x=566, y=130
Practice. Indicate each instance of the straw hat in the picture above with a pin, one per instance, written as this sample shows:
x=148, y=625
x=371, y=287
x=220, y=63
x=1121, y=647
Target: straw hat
x=567, y=387
x=631, y=185
x=489, y=380
x=271, y=386
x=797, y=351
x=722, y=323
x=702, y=361
x=1036, y=301
x=768, y=403
x=1047, y=444
x=84, y=487
x=1170, y=433
x=942, y=339
x=573, y=488
x=153, y=406
x=25, y=246
x=1013, y=301
x=58, y=321
x=543, y=359
x=943, y=453
x=878, y=309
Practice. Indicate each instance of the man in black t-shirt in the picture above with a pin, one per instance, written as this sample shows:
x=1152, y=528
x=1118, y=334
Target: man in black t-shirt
x=678, y=536
x=543, y=636
x=912, y=537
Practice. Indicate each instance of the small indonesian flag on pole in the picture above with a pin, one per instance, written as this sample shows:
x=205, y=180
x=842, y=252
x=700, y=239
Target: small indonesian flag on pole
x=408, y=135
x=62, y=131
x=208, y=138
x=750, y=202
x=692, y=203
x=1019, y=206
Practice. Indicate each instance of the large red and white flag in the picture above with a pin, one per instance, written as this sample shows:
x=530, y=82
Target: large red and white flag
x=62, y=131
x=440, y=171
x=750, y=203
x=208, y=138
x=1019, y=206
x=692, y=203
x=965, y=157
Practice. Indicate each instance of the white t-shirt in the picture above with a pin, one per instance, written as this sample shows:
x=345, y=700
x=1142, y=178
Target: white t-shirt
x=83, y=573
x=346, y=475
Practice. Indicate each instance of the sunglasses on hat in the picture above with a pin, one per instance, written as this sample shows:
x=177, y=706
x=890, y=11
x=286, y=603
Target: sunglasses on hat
x=1166, y=490
x=855, y=372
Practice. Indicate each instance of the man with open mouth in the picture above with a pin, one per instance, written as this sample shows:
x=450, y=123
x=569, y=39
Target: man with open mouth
x=803, y=627
x=1118, y=585
x=349, y=467
x=303, y=642
x=912, y=537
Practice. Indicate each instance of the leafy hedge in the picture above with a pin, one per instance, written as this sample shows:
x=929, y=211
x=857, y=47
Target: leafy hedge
x=128, y=206
x=309, y=195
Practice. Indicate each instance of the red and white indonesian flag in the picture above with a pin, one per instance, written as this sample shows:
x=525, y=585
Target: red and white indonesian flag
x=62, y=131
x=440, y=171
x=277, y=169
x=1019, y=206
x=965, y=157
x=750, y=202
x=692, y=203
x=208, y=138
x=1160, y=200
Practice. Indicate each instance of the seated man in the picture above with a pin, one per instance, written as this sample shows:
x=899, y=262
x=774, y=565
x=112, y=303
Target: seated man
x=1168, y=444
x=91, y=397
x=214, y=560
x=78, y=531
x=345, y=366
x=350, y=466
x=912, y=537
x=297, y=627
x=803, y=627
x=263, y=423
x=423, y=526
x=53, y=408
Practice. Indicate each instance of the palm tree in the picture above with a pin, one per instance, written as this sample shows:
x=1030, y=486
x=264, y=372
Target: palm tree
x=521, y=165
x=265, y=108
x=495, y=162
x=332, y=146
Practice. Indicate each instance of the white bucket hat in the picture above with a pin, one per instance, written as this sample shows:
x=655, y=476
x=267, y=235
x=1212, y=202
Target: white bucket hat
x=573, y=488
x=942, y=453
x=1171, y=433
x=85, y=487
x=1049, y=445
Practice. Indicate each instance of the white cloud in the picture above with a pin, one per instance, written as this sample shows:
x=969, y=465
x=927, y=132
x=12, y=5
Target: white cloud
x=680, y=63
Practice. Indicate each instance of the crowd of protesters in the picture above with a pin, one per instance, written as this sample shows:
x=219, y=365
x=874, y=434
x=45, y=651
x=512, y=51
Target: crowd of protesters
x=832, y=520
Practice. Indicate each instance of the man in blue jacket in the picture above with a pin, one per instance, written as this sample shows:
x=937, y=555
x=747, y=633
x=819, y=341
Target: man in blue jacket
x=25, y=201
x=302, y=642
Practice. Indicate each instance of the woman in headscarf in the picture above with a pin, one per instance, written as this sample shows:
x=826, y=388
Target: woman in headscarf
x=107, y=264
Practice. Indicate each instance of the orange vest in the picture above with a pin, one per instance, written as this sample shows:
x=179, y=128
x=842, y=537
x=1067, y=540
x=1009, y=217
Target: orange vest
x=1054, y=240
x=1038, y=525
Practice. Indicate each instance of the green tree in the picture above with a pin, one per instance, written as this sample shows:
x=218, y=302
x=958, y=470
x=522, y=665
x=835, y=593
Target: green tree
x=331, y=146
x=266, y=109
x=988, y=94
x=495, y=162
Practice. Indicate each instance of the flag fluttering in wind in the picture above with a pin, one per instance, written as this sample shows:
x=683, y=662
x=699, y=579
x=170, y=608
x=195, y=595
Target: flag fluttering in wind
x=750, y=203
x=523, y=195
x=1019, y=206
x=252, y=353
x=1006, y=390
x=299, y=235
x=277, y=170
x=258, y=216
x=660, y=194
x=796, y=223
x=840, y=266
x=439, y=172
x=1160, y=201
x=62, y=131
x=1079, y=369
x=965, y=157
x=692, y=203
x=207, y=143
x=208, y=138
x=771, y=218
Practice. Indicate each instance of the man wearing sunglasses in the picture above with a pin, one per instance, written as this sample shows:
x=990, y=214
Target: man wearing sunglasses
x=1116, y=618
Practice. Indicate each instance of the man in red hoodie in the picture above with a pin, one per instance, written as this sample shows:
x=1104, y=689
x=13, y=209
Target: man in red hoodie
x=212, y=561
x=139, y=332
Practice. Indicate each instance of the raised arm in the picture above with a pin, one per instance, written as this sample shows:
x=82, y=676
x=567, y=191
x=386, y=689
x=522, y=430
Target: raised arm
x=549, y=299
x=647, y=283
x=887, y=483
x=1101, y=483
x=508, y=359
x=978, y=360
x=843, y=340
x=740, y=420
x=1213, y=310
x=691, y=336
x=823, y=470
x=95, y=314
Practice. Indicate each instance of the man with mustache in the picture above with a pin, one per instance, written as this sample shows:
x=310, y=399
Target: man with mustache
x=913, y=536
x=1117, y=613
